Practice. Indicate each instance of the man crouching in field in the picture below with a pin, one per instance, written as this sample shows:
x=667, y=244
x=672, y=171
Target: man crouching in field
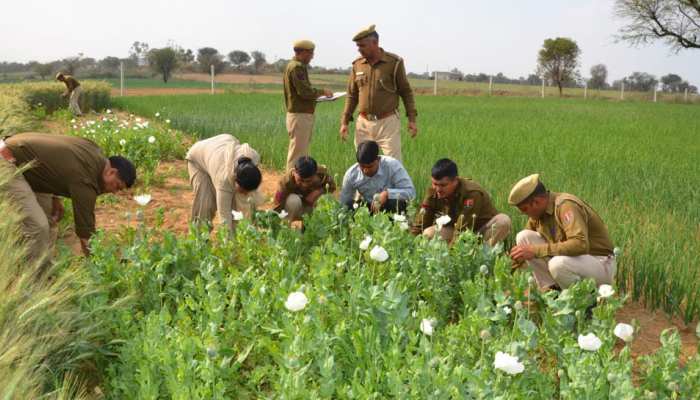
x=65, y=166
x=301, y=187
x=453, y=204
x=564, y=241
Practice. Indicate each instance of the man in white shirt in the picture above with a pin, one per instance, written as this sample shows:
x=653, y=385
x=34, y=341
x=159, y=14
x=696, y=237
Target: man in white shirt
x=381, y=181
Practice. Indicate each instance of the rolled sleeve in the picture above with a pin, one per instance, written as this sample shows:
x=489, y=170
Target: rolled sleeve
x=84, y=198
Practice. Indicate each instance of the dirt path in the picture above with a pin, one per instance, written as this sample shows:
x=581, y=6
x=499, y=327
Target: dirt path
x=232, y=78
x=163, y=91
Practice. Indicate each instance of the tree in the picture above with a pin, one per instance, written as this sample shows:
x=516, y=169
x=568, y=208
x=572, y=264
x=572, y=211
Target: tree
x=163, y=61
x=557, y=61
x=640, y=81
x=676, y=22
x=185, y=57
x=673, y=83
x=259, y=60
x=70, y=65
x=599, y=77
x=238, y=58
x=138, y=52
x=44, y=70
x=208, y=56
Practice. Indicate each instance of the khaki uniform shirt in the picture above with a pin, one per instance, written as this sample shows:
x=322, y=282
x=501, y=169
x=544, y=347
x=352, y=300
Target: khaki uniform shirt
x=571, y=228
x=299, y=95
x=322, y=180
x=71, y=83
x=468, y=200
x=218, y=157
x=375, y=89
x=65, y=166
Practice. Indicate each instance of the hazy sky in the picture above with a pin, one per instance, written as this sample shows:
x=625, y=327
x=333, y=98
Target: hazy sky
x=474, y=36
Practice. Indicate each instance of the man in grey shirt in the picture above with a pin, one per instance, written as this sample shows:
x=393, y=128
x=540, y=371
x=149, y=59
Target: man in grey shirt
x=381, y=181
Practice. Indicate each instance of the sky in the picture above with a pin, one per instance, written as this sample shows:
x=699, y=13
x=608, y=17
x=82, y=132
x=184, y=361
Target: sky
x=474, y=36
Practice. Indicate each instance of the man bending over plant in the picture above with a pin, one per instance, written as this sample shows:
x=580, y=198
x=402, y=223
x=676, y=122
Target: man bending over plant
x=56, y=166
x=453, y=204
x=564, y=241
x=301, y=187
x=381, y=181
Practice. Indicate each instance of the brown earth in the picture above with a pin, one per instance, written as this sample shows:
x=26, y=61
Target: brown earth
x=232, y=78
x=163, y=91
x=174, y=195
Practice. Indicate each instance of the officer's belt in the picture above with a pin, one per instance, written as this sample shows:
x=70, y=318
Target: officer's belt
x=373, y=117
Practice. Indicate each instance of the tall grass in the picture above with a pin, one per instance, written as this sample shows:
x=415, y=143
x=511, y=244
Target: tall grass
x=635, y=163
x=49, y=343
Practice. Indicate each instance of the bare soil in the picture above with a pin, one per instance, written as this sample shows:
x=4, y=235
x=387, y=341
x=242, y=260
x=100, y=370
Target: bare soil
x=232, y=78
x=163, y=91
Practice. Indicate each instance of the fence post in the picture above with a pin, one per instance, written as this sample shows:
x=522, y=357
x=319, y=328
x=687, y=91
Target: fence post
x=585, y=91
x=686, y=94
x=543, y=87
x=121, y=78
x=490, y=85
x=435, y=79
x=656, y=89
x=622, y=90
x=211, y=70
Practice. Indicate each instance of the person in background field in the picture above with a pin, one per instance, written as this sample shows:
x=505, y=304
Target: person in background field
x=301, y=187
x=73, y=91
x=59, y=166
x=466, y=203
x=377, y=80
x=380, y=176
x=564, y=241
x=224, y=175
x=300, y=100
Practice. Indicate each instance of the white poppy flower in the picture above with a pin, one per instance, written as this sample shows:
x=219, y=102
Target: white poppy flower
x=151, y=139
x=72, y=121
x=143, y=199
x=122, y=142
x=283, y=214
x=138, y=119
x=109, y=111
x=167, y=121
x=403, y=226
x=605, y=291
x=399, y=218
x=157, y=114
x=426, y=326
x=624, y=332
x=443, y=220
x=355, y=206
x=364, y=245
x=589, y=342
x=237, y=215
x=378, y=254
x=507, y=310
x=508, y=364
x=296, y=301
x=484, y=269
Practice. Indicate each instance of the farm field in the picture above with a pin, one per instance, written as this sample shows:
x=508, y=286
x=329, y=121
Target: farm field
x=634, y=162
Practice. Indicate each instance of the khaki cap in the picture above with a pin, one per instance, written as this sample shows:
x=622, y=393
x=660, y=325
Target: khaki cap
x=304, y=45
x=523, y=189
x=364, y=33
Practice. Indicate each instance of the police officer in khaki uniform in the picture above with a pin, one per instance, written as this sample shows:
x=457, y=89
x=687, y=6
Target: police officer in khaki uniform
x=467, y=204
x=377, y=80
x=301, y=187
x=224, y=175
x=59, y=166
x=564, y=241
x=73, y=91
x=300, y=100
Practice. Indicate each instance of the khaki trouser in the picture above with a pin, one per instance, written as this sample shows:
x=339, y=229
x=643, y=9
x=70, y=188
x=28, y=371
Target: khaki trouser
x=74, y=101
x=495, y=231
x=296, y=208
x=566, y=270
x=386, y=132
x=35, y=210
x=300, y=127
x=204, y=203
